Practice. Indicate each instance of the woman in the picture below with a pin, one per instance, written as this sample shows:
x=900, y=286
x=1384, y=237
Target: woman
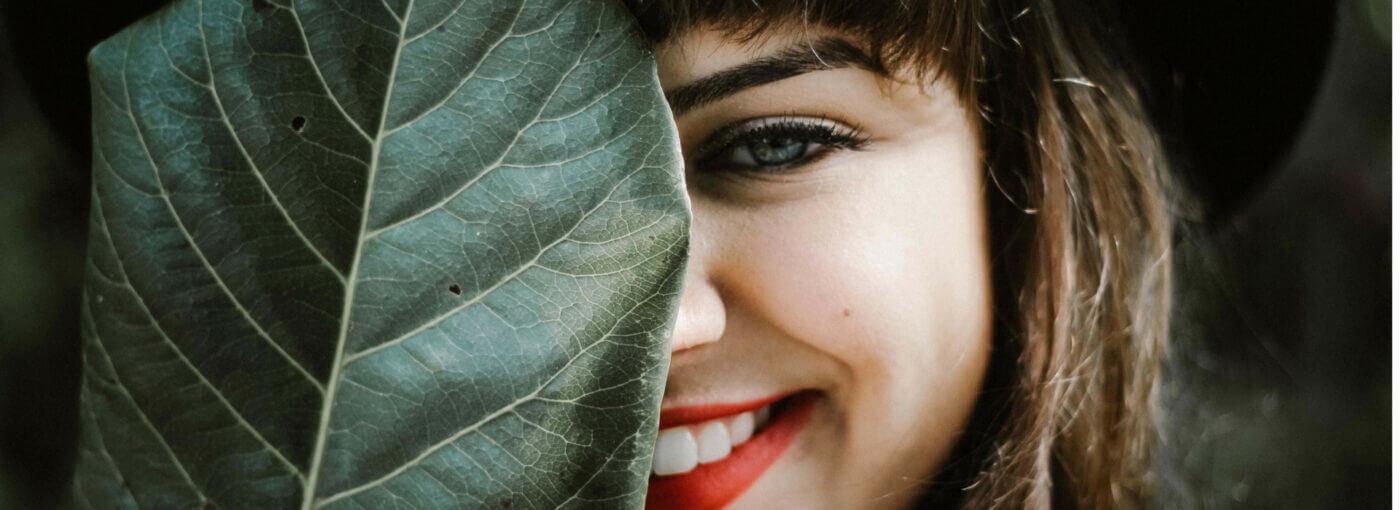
x=929, y=258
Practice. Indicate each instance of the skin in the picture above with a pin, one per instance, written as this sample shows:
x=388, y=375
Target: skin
x=863, y=274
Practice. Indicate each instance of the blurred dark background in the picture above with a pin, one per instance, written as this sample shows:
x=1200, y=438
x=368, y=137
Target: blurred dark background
x=1278, y=383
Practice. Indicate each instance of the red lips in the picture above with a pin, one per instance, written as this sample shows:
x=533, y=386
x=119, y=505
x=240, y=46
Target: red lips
x=711, y=486
x=678, y=416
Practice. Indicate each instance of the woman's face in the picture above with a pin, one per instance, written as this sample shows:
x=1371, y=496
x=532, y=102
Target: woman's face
x=838, y=261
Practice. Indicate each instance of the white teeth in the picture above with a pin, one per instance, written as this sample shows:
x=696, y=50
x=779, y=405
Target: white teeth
x=741, y=429
x=713, y=442
x=675, y=452
x=680, y=449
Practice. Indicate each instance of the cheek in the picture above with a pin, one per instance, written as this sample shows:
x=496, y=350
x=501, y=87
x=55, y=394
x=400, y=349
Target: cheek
x=885, y=269
x=886, y=272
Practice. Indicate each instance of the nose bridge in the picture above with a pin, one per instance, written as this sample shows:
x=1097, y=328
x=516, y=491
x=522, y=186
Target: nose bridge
x=702, y=317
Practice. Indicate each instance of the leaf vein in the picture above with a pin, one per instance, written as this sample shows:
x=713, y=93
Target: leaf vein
x=475, y=67
x=101, y=440
x=179, y=223
x=140, y=413
x=508, y=409
x=449, y=16
x=482, y=295
x=309, y=497
x=499, y=158
x=342, y=8
x=396, y=16
x=213, y=88
x=316, y=67
x=146, y=310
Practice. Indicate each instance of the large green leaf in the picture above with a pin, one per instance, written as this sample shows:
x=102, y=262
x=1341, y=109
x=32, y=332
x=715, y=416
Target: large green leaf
x=365, y=254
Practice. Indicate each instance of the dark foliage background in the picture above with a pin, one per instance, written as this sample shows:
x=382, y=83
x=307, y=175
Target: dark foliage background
x=1278, y=391
x=1279, y=381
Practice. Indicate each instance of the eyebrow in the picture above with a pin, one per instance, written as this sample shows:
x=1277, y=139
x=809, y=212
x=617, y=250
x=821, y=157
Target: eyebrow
x=801, y=58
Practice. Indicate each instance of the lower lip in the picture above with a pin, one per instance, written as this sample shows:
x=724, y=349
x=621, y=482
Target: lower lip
x=710, y=486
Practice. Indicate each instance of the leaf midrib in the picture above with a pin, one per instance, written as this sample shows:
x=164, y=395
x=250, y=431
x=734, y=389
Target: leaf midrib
x=333, y=384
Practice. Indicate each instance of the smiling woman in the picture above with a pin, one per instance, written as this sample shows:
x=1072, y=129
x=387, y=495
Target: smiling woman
x=839, y=254
x=928, y=258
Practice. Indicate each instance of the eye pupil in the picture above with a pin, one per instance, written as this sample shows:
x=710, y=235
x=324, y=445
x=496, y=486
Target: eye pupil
x=776, y=151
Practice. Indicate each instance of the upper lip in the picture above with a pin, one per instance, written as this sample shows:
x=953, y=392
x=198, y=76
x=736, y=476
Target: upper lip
x=677, y=416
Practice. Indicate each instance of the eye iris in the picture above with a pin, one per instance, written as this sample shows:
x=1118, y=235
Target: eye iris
x=775, y=151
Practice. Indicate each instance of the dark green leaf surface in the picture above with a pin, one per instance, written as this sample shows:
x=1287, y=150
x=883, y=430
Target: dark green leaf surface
x=364, y=254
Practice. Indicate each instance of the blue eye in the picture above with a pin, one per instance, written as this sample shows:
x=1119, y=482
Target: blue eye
x=770, y=151
x=773, y=145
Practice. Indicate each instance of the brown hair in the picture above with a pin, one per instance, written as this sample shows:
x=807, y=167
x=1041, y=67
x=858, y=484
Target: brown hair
x=1079, y=200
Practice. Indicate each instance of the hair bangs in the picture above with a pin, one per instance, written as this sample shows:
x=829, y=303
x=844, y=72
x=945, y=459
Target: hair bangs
x=927, y=40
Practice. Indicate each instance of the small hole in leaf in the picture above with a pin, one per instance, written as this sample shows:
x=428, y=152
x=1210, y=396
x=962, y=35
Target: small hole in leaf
x=596, y=34
x=261, y=5
x=441, y=28
x=298, y=123
x=455, y=289
x=210, y=505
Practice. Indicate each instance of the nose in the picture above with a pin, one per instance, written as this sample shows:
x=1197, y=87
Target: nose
x=702, y=316
x=701, y=319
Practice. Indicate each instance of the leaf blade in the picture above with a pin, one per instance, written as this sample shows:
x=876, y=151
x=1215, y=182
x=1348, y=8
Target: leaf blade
x=537, y=177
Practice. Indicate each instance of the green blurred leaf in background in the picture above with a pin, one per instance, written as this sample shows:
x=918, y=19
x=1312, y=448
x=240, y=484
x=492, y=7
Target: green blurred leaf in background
x=410, y=253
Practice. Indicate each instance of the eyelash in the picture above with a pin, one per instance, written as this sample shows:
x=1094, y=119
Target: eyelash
x=829, y=135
